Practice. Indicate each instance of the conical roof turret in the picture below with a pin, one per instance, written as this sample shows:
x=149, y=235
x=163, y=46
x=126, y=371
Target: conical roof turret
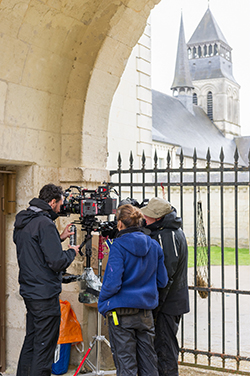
x=207, y=31
x=182, y=77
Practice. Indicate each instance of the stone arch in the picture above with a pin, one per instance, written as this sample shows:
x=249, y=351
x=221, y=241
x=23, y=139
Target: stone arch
x=108, y=70
x=229, y=90
x=235, y=94
x=208, y=87
x=61, y=64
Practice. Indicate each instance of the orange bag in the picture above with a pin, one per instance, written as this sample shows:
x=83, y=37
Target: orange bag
x=70, y=329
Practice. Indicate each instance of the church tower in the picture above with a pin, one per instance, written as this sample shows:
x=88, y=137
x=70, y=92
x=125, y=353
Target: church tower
x=182, y=85
x=215, y=89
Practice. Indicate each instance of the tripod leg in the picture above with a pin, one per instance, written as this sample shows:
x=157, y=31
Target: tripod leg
x=98, y=344
x=85, y=357
x=91, y=365
x=106, y=341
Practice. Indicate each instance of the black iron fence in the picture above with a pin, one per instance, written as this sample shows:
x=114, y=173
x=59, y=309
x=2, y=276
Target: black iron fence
x=215, y=334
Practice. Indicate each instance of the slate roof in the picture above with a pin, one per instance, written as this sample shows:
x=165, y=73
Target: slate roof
x=243, y=144
x=208, y=68
x=182, y=77
x=207, y=31
x=172, y=123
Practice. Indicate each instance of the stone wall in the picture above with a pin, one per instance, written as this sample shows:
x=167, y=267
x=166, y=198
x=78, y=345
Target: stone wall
x=130, y=120
x=215, y=212
x=226, y=110
x=61, y=62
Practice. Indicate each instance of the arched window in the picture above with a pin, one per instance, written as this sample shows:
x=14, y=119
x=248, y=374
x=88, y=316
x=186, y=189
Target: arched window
x=195, y=99
x=210, y=50
x=199, y=51
x=210, y=105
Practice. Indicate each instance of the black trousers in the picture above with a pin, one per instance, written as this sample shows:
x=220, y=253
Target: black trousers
x=42, y=331
x=132, y=344
x=166, y=344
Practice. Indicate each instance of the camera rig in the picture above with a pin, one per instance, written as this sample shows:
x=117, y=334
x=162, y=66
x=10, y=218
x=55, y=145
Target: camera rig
x=89, y=204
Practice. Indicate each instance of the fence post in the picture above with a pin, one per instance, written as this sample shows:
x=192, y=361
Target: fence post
x=155, y=169
x=143, y=160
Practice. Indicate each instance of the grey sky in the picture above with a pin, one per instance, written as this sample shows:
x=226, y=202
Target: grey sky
x=232, y=17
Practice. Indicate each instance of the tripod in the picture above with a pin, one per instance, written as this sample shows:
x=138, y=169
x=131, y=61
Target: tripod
x=98, y=338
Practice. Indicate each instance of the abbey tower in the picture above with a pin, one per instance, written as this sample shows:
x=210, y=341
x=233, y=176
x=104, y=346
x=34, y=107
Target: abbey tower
x=215, y=88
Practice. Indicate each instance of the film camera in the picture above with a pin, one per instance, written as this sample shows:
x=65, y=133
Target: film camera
x=89, y=204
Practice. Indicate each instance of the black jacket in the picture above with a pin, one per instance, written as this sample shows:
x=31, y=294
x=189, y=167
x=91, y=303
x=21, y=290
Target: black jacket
x=174, y=299
x=39, y=252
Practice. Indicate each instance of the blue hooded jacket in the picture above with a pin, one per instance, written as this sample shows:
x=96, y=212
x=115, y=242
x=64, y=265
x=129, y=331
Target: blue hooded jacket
x=134, y=270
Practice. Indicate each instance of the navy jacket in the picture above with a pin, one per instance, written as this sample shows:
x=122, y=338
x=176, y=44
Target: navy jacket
x=170, y=236
x=134, y=270
x=39, y=252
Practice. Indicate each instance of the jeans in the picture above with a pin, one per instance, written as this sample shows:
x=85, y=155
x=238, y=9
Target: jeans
x=42, y=331
x=132, y=344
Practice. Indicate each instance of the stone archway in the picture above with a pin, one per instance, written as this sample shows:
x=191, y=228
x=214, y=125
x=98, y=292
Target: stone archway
x=126, y=24
x=61, y=63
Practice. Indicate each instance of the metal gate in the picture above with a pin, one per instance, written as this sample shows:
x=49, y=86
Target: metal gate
x=215, y=334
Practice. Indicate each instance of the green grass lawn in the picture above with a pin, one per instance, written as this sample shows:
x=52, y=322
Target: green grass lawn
x=215, y=256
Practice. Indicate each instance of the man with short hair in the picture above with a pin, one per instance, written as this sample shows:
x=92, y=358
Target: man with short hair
x=41, y=261
x=165, y=226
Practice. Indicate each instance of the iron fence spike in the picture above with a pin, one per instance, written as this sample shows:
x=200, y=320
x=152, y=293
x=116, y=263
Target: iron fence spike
x=143, y=159
x=195, y=156
x=181, y=157
x=236, y=155
x=208, y=155
x=221, y=155
x=168, y=158
x=119, y=160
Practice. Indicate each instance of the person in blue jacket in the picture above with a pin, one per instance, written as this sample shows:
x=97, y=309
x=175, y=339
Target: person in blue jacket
x=134, y=272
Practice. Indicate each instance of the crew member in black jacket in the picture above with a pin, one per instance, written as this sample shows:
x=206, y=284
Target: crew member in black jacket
x=41, y=261
x=165, y=227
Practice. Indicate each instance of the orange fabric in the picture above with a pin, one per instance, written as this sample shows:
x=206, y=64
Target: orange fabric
x=70, y=329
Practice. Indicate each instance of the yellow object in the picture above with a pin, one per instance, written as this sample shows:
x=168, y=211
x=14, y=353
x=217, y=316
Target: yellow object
x=115, y=318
